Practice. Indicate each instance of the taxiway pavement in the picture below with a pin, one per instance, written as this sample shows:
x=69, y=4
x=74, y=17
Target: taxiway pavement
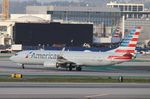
x=74, y=91
x=7, y=68
x=19, y=90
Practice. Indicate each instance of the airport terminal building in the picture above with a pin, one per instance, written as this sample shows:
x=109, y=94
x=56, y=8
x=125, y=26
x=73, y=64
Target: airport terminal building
x=111, y=16
x=129, y=10
x=99, y=17
x=95, y=15
x=135, y=15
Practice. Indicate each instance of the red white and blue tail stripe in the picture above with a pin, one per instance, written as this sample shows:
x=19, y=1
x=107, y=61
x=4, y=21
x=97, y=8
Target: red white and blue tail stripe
x=126, y=51
x=129, y=43
x=116, y=38
x=117, y=32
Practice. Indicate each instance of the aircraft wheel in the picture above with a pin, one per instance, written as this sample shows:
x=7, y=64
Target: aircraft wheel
x=78, y=68
x=23, y=66
x=70, y=68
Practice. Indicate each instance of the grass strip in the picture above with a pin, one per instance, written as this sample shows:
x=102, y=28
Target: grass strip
x=76, y=79
x=140, y=60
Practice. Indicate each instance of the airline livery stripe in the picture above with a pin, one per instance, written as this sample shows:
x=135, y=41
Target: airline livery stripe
x=134, y=39
x=135, y=36
x=124, y=44
x=126, y=48
x=133, y=42
x=116, y=35
x=129, y=41
x=129, y=36
x=132, y=45
x=128, y=45
x=137, y=33
x=132, y=31
x=123, y=58
x=139, y=27
x=117, y=32
x=119, y=57
x=126, y=41
x=138, y=30
x=124, y=51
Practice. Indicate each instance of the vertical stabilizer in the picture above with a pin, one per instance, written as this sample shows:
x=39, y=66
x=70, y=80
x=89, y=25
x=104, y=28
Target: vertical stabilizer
x=129, y=43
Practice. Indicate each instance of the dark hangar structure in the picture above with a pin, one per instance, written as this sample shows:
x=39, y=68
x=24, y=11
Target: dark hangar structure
x=33, y=34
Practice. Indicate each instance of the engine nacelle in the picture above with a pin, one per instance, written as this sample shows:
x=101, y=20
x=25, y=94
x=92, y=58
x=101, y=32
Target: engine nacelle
x=49, y=64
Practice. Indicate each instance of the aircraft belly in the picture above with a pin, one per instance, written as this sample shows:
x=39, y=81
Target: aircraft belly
x=96, y=63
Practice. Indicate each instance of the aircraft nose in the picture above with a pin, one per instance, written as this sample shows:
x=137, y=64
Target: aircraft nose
x=12, y=58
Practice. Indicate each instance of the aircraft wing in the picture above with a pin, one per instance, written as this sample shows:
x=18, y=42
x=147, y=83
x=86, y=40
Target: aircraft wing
x=63, y=60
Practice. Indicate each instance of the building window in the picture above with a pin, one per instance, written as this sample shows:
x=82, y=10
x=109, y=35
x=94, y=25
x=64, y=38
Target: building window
x=129, y=15
x=126, y=8
x=49, y=12
x=130, y=9
x=140, y=8
x=121, y=8
x=115, y=6
x=3, y=28
x=134, y=8
x=86, y=16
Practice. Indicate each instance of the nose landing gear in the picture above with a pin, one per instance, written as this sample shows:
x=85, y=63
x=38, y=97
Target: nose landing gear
x=22, y=66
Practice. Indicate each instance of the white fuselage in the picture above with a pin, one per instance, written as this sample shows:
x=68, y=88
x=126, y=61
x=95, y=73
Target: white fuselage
x=77, y=57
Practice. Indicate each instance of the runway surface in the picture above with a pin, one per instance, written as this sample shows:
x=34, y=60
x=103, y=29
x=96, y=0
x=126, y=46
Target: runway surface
x=18, y=90
x=74, y=91
x=7, y=68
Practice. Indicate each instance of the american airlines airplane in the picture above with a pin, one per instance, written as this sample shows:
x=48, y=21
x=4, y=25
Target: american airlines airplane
x=76, y=59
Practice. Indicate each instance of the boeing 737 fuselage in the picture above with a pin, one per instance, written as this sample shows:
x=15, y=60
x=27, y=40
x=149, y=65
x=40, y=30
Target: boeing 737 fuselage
x=77, y=59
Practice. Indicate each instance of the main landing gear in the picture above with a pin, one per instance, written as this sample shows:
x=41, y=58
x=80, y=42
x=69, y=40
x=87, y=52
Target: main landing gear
x=78, y=68
x=71, y=66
